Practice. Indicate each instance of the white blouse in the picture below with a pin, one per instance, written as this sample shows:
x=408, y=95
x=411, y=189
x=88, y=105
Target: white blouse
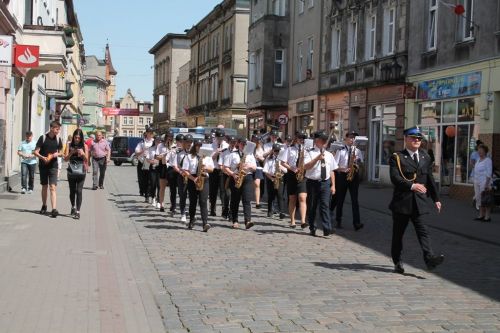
x=482, y=170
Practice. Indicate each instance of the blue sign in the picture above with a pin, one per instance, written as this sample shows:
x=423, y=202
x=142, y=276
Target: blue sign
x=450, y=87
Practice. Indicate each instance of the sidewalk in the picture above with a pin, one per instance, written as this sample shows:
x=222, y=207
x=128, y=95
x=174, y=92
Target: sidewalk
x=456, y=216
x=63, y=275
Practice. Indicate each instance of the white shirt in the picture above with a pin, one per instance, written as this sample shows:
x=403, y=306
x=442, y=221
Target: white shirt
x=413, y=153
x=216, y=147
x=293, y=155
x=162, y=150
x=223, y=156
x=482, y=170
x=270, y=166
x=342, y=157
x=190, y=163
x=259, y=155
x=142, y=146
x=315, y=172
x=179, y=157
x=233, y=161
x=268, y=147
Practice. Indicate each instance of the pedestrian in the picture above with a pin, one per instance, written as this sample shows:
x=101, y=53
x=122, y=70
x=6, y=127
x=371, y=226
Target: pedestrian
x=225, y=154
x=320, y=166
x=143, y=171
x=28, y=163
x=162, y=151
x=218, y=145
x=198, y=183
x=411, y=174
x=349, y=158
x=89, y=142
x=259, y=174
x=274, y=172
x=182, y=180
x=77, y=156
x=171, y=171
x=483, y=171
x=150, y=166
x=101, y=156
x=48, y=148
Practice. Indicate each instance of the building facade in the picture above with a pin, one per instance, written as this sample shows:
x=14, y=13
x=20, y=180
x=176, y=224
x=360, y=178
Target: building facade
x=133, y=125
x=303, y=69
x=268, y=58
x=182, y=104
x=456, y=72
x=170, y=53
x=94, y=94
x=218, y=75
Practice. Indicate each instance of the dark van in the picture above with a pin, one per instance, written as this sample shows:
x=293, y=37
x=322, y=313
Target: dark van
x=123, y=149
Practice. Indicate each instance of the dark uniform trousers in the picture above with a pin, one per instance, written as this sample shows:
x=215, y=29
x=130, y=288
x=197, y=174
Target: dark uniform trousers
x=225, y=193
x=172, y=183
x=244, y=194
x=182, y=188
x=153, y=182
x=274, y=195
x=140, y=179
x=146, y=183
x=318, y=193
x=196, y=196
x=341, y=188
x=214, y=180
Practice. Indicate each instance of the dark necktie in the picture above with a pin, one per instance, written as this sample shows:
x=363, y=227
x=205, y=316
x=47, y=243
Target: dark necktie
x=349, y=152
x=415, y=158
x=298, y=155
x=323, y=169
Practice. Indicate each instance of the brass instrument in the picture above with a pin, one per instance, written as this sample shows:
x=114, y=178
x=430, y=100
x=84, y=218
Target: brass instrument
x=353, y=166
x=241, y=172
x=278, y=175
x=300, y=168
x=200, y=177
x=185, y=178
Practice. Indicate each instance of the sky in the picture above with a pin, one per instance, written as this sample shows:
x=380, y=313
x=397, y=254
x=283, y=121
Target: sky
x=132, y=28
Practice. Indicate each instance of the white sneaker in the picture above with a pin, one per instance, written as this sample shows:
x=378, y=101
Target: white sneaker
x=183, y=218
x=30, y=191
x=158, y=205
x=23, y=191
x=153, y=203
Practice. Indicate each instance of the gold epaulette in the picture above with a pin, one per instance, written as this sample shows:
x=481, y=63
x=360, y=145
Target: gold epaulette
x=398, y=161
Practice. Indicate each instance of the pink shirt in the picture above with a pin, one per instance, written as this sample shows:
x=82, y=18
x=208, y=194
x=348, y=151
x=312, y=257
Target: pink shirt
x=100, y=149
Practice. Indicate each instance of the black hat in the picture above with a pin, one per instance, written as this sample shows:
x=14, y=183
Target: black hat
x=321, y=135
x=219, y=133
x=276, y=147
x=288, y=138
x=413, y=131
x=231, y=138
x=274, y=133
x=301, y=134
x=170, y=134
x=149, y=129
x=188, y=137
x=242, y=139
x=351, y=133
x=254, y=137
x=197, y=142
x=179, y=137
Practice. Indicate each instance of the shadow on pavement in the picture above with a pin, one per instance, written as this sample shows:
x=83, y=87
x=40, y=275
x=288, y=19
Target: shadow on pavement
x=364, y=267
x=170, y=227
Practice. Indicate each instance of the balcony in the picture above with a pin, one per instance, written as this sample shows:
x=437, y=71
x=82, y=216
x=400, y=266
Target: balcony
x=53, y=47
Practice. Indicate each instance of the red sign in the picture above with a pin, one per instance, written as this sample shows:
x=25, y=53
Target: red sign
x=120, y=112
x=27, y=56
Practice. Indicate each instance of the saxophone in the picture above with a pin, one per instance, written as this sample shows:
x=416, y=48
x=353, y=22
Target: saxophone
x=300, y=168
x=241, y=172
x=200, y=178
x=353, y=167
x=277, y=175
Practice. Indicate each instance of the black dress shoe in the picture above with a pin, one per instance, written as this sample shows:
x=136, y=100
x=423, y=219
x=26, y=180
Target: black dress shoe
x=94, y=188
x=190, y=225
x=282, y=216
x=43, y=210
x=433, y=261
x=269, y=215
x=358, y=226
x=312, y=233
x=101, y=187
x=304, y=225
x=258, y=206
x=76, y=216
x=249, y=224
x=162, y=209
x=327, y=233
x=487, y=220
x=54, y=213
x=398, y=268
x=73, y=211
x=212, y=213
x=480, y=218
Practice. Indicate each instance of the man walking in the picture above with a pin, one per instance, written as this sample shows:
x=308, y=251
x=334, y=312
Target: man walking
x=101, y=155
x=28, y=163
x=411, y=174
x=89, y=142
x=48, y=147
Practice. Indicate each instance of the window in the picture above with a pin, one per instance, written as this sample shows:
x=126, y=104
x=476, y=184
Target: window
x=432, y=25
x=301, y=6
x=310, y=55
x=299, y=61
x=352, y=40
x=389, y=30
x=466, y=25
x=255, y=70
x=226, y=37
x=149, y=120
x=311, y=3
x=279, y=68
x=227, y=84
x=335, y=49
x=370, y=36
x=141, y=107
x=130, y=120
x=279, y=7
x=141, y=121
x=124, y=120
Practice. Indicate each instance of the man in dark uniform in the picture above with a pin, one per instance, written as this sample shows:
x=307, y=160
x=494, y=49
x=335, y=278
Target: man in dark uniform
x=218, y=145
x=411, y=174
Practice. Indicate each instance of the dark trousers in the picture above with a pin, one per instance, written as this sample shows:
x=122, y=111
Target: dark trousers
x=76, y=190
x=341, y=188
x=182, y=188
x=145, y=183
x=400, y=222
x=172, y=184
x=140, y=179
x=244, y=194
x=225, y=194
x=318, y=193
x=98, y=171
x=196, y=196
x=214, y=180
x=274, y=195
x=27, y=173
x=153, y=183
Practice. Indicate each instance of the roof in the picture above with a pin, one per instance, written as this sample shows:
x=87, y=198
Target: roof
x=168, y=37
x=95, y=67
x=107, y=58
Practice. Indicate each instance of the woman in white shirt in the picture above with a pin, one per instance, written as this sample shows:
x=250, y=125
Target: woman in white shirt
x=190, y=169
x=161, y=155
x=259, y=175
x=483, y=170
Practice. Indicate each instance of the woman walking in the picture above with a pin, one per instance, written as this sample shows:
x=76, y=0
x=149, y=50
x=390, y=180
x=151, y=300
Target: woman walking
x=259, y=175
x=483, y=170
x=77, y=157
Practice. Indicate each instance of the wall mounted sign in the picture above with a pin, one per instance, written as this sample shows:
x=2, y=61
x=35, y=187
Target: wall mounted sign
x=120, y=112
x=450, y=87
x=26, y=56
x=6, y=50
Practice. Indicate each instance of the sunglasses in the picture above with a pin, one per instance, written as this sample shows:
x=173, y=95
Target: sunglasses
x=415, y=138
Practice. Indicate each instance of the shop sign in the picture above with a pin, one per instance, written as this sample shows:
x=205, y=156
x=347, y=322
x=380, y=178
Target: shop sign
x=26, y=56
x=120, y=112
x=283, y=119
x=449, y=87
x=6, y=50
x=305, y=107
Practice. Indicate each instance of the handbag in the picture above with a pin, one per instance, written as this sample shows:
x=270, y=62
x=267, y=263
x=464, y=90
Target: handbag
x=487, y=198
x=76, y=168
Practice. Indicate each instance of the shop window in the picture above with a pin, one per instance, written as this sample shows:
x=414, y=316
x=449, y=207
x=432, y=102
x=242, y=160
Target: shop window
x=449, y=112
x=466, y=110
x=429, y=113
x=382, y=137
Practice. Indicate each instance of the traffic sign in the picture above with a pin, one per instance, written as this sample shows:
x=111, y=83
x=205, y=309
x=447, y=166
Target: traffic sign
x=283, y=119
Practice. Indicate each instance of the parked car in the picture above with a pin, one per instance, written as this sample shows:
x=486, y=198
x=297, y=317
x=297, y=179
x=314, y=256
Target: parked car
x=123, y=149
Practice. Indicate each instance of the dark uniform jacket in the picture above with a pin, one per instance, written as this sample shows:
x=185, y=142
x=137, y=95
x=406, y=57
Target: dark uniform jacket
x=404, y=200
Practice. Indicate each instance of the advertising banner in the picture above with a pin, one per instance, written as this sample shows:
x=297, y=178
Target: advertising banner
x=120, y=112
x=6, y=50
x=450, y=87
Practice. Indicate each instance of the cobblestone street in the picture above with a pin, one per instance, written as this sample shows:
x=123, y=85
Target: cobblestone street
x=273, y=278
